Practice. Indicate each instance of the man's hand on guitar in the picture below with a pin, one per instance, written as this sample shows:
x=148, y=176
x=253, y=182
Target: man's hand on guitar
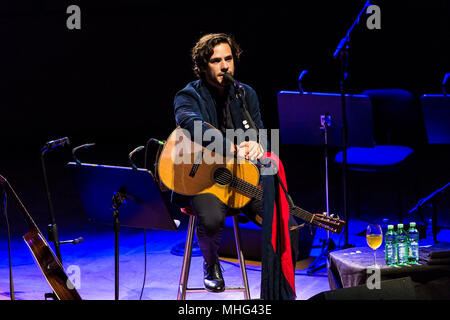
x=250, y=150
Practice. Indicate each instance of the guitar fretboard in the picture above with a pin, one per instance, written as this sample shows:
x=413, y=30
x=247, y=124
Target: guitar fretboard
x=224, y=177
x=246, y=188
x=257, y=193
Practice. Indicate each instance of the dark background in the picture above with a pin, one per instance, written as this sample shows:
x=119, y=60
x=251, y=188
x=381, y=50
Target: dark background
x=113, y=81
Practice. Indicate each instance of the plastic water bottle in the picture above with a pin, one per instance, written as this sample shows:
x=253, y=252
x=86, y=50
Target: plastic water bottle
x=413, y=244
x=402, y=245
x=390, y=249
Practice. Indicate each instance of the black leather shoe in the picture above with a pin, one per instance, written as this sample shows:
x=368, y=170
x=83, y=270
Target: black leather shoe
x=213, y=279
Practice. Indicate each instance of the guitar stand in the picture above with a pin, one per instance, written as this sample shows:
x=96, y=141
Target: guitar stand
x=50, y=266
x=50, y=295
x=320, y=262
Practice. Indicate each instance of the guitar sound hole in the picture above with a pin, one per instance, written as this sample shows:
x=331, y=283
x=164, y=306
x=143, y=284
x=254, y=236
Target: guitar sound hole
x=222, y=176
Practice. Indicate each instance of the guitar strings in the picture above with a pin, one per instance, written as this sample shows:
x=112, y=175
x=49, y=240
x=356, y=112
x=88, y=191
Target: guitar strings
x=223, y=178
x=255, y=192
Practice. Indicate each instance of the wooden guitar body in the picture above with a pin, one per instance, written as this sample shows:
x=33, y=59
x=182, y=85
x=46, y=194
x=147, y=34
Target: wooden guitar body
x=190, y=169
x=50, y=266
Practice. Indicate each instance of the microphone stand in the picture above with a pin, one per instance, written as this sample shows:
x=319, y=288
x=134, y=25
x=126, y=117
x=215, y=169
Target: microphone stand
x=341, y=53
x=328, y=244
x=117, y=200
x=52, y=228
x=249, y=123
x=431, y=198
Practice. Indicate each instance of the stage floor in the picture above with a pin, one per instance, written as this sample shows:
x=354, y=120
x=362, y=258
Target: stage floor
x=95, y=259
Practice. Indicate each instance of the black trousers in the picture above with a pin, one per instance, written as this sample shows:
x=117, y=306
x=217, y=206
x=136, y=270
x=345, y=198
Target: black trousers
x=211, y=214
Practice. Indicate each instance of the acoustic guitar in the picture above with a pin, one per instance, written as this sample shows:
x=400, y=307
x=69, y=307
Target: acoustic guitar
x=188, y=168
x=50, y=266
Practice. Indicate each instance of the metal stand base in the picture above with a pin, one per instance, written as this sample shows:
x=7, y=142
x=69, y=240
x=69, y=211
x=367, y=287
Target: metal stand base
x=321, y=261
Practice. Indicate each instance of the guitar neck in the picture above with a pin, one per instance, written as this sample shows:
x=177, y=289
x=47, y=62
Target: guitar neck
x=27, y=216
x=302, y=214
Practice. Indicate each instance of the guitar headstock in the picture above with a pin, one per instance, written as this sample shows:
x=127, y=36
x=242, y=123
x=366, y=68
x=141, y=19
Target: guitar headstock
x=329, y=223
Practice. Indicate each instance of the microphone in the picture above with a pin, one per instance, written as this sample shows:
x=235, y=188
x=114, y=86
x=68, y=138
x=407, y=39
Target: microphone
x=135, y=150
x=161, y=143
x=75, y=241
x=86, y=145
x=340, y=46
x=55, y=143
x=229, y=78
x=346, y=39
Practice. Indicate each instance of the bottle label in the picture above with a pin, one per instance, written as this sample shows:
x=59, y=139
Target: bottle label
x=402, y=253
x=391, y=254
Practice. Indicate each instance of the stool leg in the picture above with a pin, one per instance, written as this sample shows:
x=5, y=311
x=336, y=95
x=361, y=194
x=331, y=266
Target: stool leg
x=186, y=259
x=241, y=257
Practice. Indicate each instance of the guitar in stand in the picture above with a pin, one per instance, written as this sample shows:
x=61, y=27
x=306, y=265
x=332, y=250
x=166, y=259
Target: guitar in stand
x=184, y=167
x=50, y=266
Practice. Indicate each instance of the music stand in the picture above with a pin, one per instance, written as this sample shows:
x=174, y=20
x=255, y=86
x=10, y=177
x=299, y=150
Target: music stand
x=436, y=114
x=299, y=116
x=315, y=119
x=105, y=191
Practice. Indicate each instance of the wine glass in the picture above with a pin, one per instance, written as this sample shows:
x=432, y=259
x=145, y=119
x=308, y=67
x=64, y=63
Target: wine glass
x=374, y=237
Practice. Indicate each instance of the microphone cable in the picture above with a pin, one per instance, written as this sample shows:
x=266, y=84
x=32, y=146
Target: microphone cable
x=145, y=232
x=5, y=213
x=145, y=264
x=161, y=143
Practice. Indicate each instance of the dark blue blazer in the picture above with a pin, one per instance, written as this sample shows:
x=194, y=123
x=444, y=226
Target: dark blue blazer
x=195, y=102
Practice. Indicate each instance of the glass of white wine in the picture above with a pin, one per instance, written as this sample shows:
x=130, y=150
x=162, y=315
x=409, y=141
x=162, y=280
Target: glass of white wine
x=374, y=237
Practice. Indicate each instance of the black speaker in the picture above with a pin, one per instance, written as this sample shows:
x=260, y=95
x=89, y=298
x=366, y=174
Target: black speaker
x=396, y=289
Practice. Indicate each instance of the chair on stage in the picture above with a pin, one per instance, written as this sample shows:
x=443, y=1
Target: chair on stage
x=436, y=114
x=396, y=122
x=183, y=288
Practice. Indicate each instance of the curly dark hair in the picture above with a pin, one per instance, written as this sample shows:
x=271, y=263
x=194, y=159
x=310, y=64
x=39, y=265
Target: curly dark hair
x=204, y=49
